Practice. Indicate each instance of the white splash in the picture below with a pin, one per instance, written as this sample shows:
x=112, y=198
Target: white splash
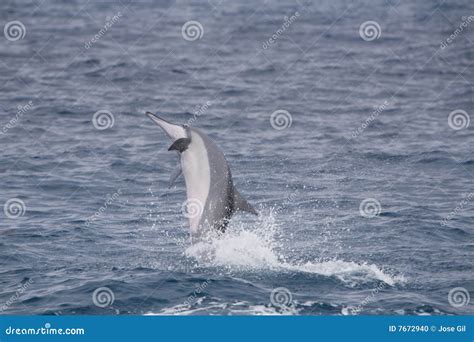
x=248, y=249
x=216, y=307
x=239, y=248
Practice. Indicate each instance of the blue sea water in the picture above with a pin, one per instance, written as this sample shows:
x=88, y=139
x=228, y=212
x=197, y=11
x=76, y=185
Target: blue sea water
x=369, y=124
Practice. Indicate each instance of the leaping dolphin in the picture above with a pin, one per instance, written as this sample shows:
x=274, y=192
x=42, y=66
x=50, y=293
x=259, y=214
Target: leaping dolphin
x=208, y=179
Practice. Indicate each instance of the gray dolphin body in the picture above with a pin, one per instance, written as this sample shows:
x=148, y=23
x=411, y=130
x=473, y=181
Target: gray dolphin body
x=209, y=185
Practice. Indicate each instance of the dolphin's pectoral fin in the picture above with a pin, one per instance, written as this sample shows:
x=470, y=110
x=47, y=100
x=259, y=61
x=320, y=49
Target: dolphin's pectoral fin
x=241, y=204
x=174, y=176
x=180, y=145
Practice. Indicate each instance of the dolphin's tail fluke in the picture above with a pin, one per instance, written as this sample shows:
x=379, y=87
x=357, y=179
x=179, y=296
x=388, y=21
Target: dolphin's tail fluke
x=174, y=131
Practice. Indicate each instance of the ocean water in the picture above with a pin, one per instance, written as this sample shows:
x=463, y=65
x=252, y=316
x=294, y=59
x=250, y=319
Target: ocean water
x=363, y=179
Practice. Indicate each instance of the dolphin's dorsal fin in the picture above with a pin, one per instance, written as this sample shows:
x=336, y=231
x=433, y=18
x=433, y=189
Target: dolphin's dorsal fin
x=241, y=204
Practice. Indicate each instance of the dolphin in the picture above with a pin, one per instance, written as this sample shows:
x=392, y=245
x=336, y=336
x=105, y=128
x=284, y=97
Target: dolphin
x=209, y=185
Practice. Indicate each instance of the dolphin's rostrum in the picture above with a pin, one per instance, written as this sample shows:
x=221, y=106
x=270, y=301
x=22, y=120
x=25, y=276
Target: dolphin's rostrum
x=207, y=176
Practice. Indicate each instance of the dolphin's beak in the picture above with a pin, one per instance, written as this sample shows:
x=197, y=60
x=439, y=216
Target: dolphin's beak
x=175, y=132
x=159, y=121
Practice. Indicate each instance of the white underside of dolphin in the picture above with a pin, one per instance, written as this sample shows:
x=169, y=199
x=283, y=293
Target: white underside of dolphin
x=209, y=186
